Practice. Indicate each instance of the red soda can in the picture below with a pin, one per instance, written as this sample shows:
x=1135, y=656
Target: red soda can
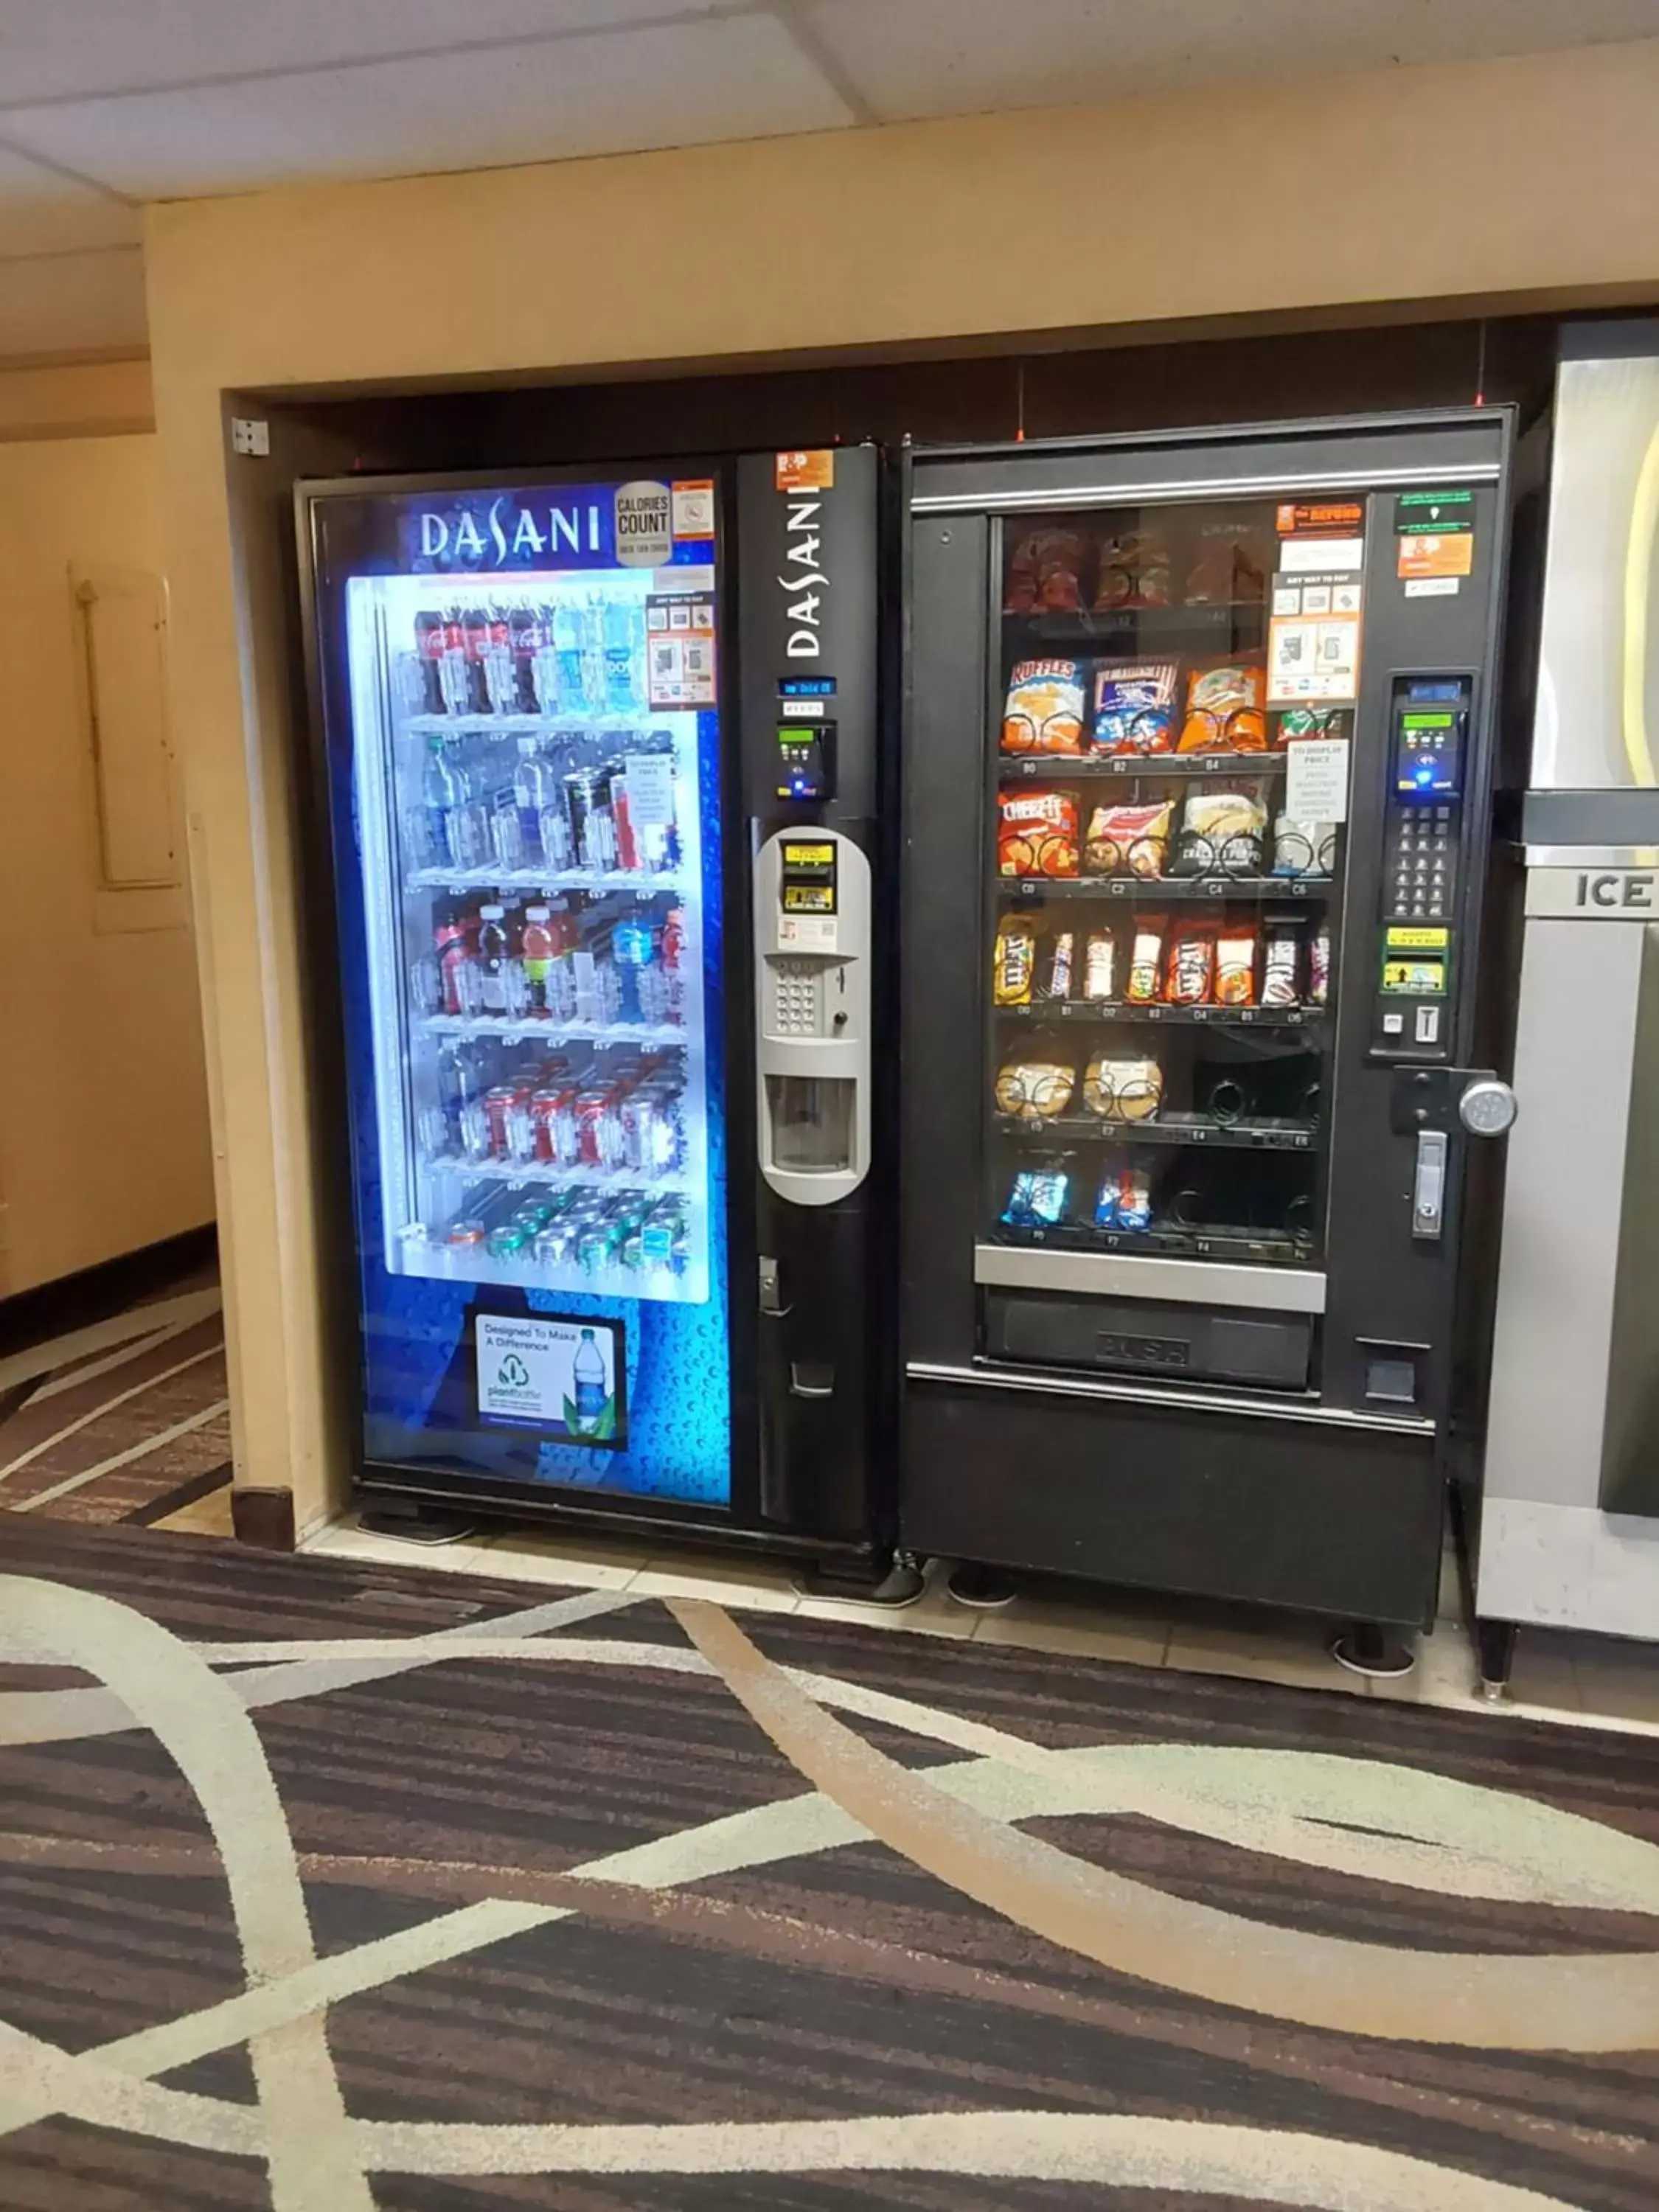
x=498, y=1115
x=544, y=1122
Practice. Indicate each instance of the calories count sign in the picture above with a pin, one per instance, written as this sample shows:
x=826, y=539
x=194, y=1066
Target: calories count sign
x=645, y=536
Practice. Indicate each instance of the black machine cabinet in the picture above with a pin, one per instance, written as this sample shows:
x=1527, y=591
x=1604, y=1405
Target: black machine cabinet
x=1197, y=767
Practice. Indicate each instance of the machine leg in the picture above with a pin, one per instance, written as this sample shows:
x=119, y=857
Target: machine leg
x=983, y=1587
x=1368, y=1648
x=1494, y=1651
x=417, y=1522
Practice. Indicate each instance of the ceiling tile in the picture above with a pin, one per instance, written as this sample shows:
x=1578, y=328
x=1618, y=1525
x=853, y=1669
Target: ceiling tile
x=73, y=303
x=687, y=84
x=41, y=212
x=59, y=49
x=924, y=57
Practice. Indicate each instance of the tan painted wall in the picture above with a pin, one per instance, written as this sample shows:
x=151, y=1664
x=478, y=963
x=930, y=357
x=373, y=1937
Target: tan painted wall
x=80, y=399
x=1532, y=180
x=103, y=1104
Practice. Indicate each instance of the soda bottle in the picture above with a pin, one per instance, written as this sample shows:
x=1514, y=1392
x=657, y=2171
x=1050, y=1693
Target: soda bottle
x=532, y=790
x=454, y=684
x=634, y=950
x=475, y=634
x=673, y=964
x=443, y=800
x=429, y=653
x=536, y=949
x=494, y=954
x=570, y=658
x=524, y=636
x=498, y=663
x=623, y=634
x=449, y=943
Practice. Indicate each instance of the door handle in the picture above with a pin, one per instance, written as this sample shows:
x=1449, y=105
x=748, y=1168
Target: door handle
x=1429, y=1184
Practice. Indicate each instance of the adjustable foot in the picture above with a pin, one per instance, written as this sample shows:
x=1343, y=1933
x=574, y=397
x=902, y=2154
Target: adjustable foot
x=1494, y=1651
x=417, y=1522
x=1376, y=1652
x=985, y=1589
x=892, y=1583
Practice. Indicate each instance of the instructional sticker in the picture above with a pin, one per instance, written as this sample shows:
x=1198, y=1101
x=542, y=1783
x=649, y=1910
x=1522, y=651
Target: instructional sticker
x=809, y=470
x=1317, y=779
x=694, y=508
x=559, y=1375
x=1313, y=638
x=1422, y=556
x=680, y=660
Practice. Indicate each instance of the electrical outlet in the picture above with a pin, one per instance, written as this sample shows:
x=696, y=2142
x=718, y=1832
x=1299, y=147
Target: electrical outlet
x=248, y=436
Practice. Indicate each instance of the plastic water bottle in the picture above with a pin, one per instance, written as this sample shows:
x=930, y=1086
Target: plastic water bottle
x=590, y=1397
x=461, y=1088
x=634, y=950
x=443, y=798
x=570, y=656
x=532, y=790
x=624, y=649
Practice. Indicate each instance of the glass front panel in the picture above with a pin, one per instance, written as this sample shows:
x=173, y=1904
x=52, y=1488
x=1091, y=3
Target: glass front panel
x=527, y=827
x=1164, y=897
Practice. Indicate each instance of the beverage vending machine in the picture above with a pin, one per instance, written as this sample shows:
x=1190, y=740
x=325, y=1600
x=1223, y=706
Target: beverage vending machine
x=596, y=757
x=1198, y=794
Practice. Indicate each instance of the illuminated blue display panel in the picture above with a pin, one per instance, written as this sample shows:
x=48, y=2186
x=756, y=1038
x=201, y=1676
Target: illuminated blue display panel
x=524, y=748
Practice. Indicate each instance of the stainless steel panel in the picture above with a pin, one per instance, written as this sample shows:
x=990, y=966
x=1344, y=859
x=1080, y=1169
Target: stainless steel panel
x=1146, y=1275
x=1563, y=1200
x=1597, y=720
x=988, y=1377
x=1592, y=893
x=1630, y=1444
x=1130, y=489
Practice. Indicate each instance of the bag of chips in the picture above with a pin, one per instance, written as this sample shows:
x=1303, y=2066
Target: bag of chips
x=1231, y=566
x=1128, y=841
x=1133, y=572
x=1124, y=1197
x=1014, y=963
x=1145, y=960
x=1035, y=1089
x=1225, y=709
x=1100, y=966
x=1122, y=1088
x=1044, y=712
x=1297, y=722
x=1235, y=964
x=1043, y=573
x=1190, y=973
x=1222, y=833
x=1281, y=965
x=1037, y=1200
x=1135, y=706
x=1037, y=833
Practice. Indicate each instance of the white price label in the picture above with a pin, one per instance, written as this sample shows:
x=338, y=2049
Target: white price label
x=1317, y=779
x=650, y=790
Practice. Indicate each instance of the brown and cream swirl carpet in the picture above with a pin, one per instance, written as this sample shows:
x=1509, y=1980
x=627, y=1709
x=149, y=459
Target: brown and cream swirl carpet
x=325, y=1889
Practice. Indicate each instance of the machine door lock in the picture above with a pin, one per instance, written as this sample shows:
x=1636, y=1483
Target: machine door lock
x=1448, y=1099
x=1429, y=1185
x=771, y=1289
x=1486, y=1106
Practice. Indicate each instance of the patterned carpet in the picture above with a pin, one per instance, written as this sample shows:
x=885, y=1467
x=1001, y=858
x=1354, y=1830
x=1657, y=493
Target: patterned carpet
x=124, y=1419
x=325, y=1888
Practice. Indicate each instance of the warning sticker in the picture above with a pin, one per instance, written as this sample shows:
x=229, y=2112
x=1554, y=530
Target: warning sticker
x=813, y=470
x=1426, y=555
x=694, y=508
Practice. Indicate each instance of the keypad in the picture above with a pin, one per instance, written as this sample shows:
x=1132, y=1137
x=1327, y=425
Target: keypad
x=795, y=1004
x=1422, y=869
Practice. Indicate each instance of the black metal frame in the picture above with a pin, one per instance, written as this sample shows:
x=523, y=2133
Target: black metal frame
x=1321, y=1502
x=739, y=1521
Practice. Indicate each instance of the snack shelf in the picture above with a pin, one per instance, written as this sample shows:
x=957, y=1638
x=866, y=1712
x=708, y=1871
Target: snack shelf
x=1258, y=1133
x=459, y=881
x=1166, y=1240
x=1159, y=891
x=1118, y=768
x=1104, y=1012
x=538, y=1171
x=508, y=1029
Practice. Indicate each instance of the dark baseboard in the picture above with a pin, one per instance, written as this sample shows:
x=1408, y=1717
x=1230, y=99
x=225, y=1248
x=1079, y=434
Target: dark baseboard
x=263, y=1518
x=182, y=1494
x=95, y=1293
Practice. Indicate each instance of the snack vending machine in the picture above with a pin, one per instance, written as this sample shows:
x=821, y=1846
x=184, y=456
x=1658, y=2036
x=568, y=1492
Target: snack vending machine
x=591, y=1162
x=1198, y=785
